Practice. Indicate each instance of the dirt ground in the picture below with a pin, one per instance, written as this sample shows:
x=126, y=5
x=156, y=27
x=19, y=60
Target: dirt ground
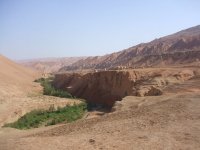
x=170, y=122
x=19, y=93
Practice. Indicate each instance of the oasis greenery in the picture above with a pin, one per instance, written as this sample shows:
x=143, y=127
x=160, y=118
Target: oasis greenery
x=37, y=118
x=52, y=116
x=50, y=90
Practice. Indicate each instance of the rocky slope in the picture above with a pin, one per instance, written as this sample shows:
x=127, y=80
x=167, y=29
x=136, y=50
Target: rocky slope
x=181, y=48
x=106, y=87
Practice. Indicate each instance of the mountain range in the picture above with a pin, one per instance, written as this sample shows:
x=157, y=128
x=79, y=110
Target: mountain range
x=181, y=48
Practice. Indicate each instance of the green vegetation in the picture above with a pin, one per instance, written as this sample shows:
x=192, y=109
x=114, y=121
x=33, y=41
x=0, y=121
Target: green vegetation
x=50, y=90
x=52, y=116
x=37, y=118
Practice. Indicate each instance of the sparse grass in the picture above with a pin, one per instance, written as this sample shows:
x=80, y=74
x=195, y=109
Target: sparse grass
x=50, y=90
x=37, y=118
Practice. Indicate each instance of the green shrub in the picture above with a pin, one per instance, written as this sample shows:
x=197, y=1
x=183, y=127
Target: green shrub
x=40, y=80
x=48, y=89
x=37, y=118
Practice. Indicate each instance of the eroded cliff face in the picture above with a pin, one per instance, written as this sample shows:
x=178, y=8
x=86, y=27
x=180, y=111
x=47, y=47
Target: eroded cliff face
x=101, y=87
x=106, y=87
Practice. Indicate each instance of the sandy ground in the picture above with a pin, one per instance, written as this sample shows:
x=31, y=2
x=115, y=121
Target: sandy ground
x=19, y=93
x=169, y=122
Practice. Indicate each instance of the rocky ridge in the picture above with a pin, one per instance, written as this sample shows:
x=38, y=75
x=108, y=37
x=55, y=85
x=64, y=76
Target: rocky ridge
x=181, y=48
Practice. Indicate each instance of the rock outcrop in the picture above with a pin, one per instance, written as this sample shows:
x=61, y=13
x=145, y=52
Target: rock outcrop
x=101, y=87
x=106, y=87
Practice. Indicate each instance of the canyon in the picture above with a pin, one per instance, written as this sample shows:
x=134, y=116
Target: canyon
x=106, y=87
x=143, y=97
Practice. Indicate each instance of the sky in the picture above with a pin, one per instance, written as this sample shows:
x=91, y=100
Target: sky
x=67, y=28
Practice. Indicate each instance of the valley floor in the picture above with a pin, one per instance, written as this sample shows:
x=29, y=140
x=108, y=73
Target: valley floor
x=170, y=121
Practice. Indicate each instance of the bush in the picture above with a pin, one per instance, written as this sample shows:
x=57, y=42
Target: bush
x=37, y=118
x=40, y=80
x=50, y=90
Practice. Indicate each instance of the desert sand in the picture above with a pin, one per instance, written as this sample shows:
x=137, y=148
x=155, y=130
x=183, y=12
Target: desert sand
x=170, y=121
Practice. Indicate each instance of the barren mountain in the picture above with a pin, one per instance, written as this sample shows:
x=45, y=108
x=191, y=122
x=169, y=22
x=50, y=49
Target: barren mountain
x=49, y=65
x=177, y=49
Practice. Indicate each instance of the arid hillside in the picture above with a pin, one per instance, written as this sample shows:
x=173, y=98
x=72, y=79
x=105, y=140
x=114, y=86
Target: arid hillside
x=181, y=48
x=14, y=78
x=20, y=94
x=49, y=65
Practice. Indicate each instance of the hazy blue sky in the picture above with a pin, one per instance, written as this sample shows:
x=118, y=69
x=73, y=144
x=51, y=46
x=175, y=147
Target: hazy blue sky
x=54, y=28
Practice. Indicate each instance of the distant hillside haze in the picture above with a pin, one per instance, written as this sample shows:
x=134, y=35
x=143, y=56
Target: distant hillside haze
x=180, y=48
x=49, y=65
